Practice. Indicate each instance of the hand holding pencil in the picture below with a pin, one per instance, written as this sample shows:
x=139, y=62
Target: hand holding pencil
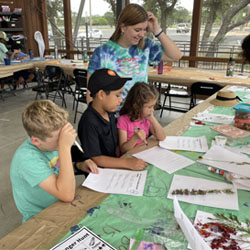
x=140, y=133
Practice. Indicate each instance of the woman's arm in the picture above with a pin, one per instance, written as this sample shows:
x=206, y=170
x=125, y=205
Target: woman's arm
x=171, y=50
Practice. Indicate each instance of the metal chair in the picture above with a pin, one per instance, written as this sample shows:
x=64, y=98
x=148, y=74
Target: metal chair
x=80, y=94
x=176, y=92
x=202, y=89
x=52, y=83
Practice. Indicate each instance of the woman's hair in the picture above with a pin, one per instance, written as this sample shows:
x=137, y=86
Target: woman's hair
x=42, y=117
x=246, y=48
x=140, y=94
x=132, y=14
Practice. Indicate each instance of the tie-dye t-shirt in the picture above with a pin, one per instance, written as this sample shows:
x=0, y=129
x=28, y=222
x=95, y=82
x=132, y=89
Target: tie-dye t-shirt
x=29, y=167
x=127, y=62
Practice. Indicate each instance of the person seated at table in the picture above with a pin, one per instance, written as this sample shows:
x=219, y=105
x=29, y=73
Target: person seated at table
x=4, y=53
x=245, y=46
x=41, y=169
x=97, y=127
x=24, y=76
x=137, y=117
x=3, y=49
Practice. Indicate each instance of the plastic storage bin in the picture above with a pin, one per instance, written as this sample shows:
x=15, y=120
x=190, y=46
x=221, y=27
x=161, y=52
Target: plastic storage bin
x=242, y=116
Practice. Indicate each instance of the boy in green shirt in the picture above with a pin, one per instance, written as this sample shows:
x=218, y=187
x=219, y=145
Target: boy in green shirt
x=35, y=176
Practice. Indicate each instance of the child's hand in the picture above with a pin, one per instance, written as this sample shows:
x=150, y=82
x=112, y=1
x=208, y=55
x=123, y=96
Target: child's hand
x=136, y=164
x=140, y=133
x=150, y=117
x=67, y=135
x=88, y=166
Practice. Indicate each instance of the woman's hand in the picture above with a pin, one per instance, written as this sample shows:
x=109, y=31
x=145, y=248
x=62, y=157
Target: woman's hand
x=153, y=23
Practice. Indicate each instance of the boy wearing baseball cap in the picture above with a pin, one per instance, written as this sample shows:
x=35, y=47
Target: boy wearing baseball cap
x=3, y=50
x=97, y=127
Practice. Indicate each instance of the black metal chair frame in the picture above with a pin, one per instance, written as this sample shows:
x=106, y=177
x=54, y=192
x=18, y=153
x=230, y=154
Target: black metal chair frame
x=52, y=84
x=170, y=93
x=202, y=89
x=80, y=94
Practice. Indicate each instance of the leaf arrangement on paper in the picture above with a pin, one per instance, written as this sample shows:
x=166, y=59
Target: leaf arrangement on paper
x=225, y=232
x=200, y=192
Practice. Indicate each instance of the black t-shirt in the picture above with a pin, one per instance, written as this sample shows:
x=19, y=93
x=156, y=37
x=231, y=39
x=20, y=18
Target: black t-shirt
x=97, y=135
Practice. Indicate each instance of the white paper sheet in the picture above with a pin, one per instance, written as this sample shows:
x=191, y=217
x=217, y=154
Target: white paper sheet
x=242, y=184
x=83, y=239
x=239, y=149
x=116, y=181
x=164, y=159
x=194, y=239
x=239, y=88
x=187, y=143
x=219, y=200
x=220, y=157
x=215, y=118
x=203, y=217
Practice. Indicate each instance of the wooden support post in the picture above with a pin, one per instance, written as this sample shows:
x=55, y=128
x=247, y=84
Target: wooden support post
x=195, y=35
x=68, y=28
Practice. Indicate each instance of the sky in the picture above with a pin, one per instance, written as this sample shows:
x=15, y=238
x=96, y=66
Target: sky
x=99, y=7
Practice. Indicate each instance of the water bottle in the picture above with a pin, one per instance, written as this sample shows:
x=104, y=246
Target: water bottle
x=230, y=67
x=160, y=67
x=56, y=52
x=31, y=54
x=85, y=56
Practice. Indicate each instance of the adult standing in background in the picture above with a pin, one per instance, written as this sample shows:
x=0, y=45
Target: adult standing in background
x=129, y=52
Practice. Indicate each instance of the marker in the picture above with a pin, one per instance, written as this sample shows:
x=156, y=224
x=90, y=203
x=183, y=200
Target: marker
x=145, y=141
x=79, y=146
x=217, y=171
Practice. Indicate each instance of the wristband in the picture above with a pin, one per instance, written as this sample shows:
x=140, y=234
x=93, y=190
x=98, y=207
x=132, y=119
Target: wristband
x=158, y=34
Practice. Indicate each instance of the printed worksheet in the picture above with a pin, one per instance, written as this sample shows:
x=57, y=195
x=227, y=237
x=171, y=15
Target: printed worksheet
x=220, y=157
x=117, y=181
x=83, y=239
x=187, y=143
x=215, y=118
x=213, y=193
x=193, y=237
x=164, y=159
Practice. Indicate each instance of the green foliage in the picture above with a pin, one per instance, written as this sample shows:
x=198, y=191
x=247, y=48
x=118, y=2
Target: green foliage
x=109, y=16
x=97, y=20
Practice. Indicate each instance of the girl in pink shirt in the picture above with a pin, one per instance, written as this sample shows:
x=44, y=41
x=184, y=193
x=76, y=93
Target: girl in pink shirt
x=137, y=117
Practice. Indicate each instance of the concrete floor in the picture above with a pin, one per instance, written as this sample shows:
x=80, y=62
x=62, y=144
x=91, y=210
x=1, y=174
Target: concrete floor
x=12, y=134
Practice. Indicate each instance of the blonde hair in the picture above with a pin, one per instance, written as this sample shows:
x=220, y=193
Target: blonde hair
x=132, y=14
x=42, y=117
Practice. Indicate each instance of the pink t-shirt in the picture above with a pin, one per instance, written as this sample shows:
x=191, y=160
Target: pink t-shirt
x=124, y=123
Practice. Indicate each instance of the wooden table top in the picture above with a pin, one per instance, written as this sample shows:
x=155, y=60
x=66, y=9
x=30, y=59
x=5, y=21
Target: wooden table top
x=187, y=76
x=45, y=229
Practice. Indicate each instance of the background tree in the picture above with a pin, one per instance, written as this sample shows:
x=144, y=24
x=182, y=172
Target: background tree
x=112, y=4
x=109, y=16
x=230, y=19
x=165, y=8
x=54, y=13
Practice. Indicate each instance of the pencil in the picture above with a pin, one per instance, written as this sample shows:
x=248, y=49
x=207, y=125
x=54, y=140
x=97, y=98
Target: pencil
x=79, y=146
x=144, y=140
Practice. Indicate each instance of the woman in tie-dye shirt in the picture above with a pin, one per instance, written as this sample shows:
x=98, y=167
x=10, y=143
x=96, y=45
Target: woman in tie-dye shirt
x=128, y=52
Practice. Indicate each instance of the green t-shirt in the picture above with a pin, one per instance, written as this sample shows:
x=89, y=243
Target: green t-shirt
x=3, y=51
x=29, y=167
